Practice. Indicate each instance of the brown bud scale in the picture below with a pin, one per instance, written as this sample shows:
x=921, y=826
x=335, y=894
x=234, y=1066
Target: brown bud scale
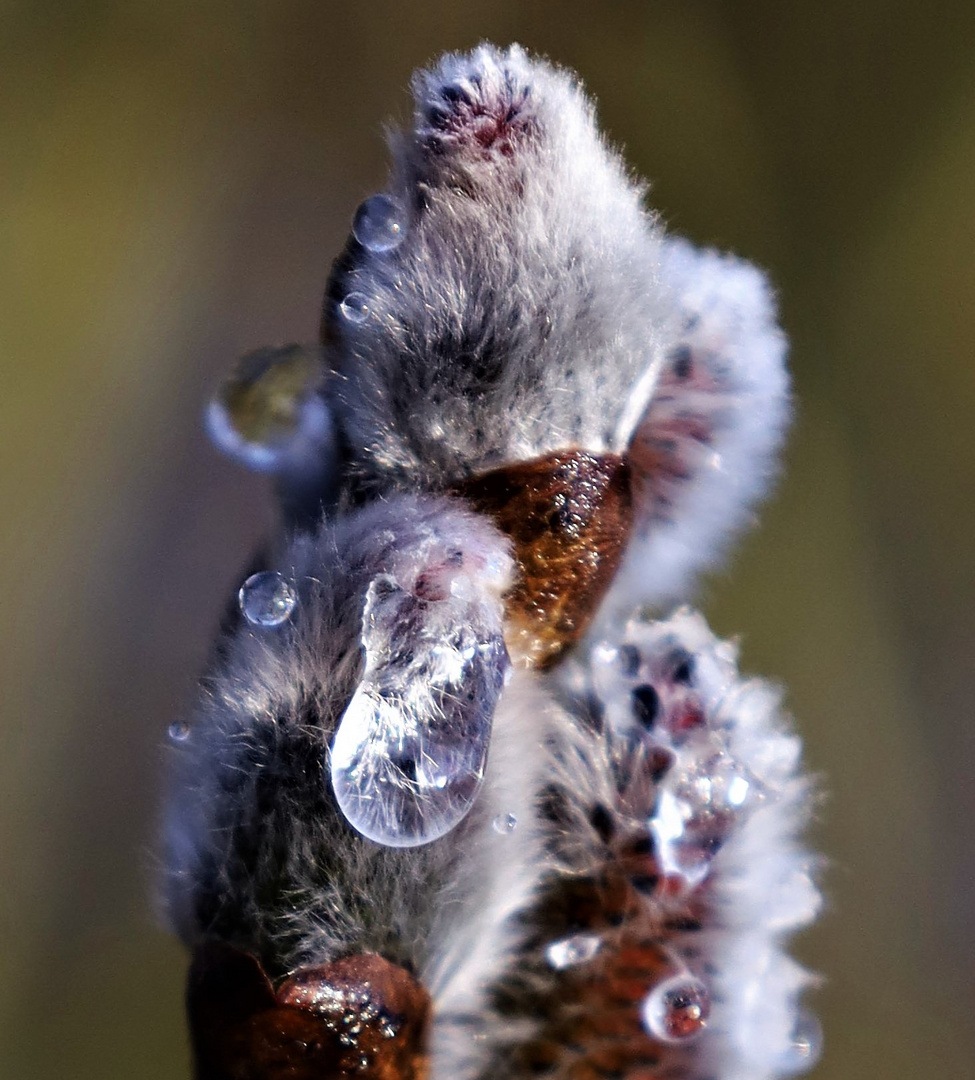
x=360, y=1017
x=569, y=515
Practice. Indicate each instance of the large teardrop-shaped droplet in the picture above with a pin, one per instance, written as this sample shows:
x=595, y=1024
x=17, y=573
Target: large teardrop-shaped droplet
x=677, y=1010
x=410, y=750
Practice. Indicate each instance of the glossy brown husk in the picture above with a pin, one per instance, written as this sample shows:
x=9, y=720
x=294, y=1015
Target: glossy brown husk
x=360, y=1017
x=569, y=515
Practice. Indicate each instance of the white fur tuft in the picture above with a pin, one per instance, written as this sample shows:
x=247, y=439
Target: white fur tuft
x=506, y=298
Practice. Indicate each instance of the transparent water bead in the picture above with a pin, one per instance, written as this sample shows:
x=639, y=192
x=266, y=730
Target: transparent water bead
x=806, y=1048
x=178, y=731
x=267, y=599
x=379, y=224
x=737, y=791
x=572, y=951
x=718, y=787
x=505, y=824
x=679, y=850
x=676, y=1010
x=355, y=307
x=271, y=414
x=410, y=751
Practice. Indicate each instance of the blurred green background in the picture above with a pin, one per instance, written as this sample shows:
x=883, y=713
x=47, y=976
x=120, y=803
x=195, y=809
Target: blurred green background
x=174, y=180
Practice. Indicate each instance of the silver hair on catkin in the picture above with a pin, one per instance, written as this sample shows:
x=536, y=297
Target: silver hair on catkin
x=459, y=799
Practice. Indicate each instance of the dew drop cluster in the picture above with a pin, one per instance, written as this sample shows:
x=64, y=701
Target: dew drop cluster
x=696, y=761
x=664, y=703
x=379, y=227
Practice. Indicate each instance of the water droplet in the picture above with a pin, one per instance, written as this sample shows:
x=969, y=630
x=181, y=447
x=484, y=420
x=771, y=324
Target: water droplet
x=676, y=1010
x=572, y=951
x=270, y=413
x=379, y=224
x=505, y=824
x=737, y=791
x=718, y=788
x=806, y=1045
x=355, y=307
x=410, y=751
x=684, y=845
x=179, y=731
x=266, y=599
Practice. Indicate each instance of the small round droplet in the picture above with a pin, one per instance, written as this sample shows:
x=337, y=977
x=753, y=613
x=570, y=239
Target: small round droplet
x=806, y=1046
x=572, y=951
x=677, y=1010
x=270, y=414
x=355, y=307
x=179, y=731
x=505, y=824
x=379, y=224
x=266, y=599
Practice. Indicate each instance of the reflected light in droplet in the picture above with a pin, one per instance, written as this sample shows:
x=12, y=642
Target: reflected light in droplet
x=379, y=224
x=572, y=951
x=677, y=1010
x=266, y=599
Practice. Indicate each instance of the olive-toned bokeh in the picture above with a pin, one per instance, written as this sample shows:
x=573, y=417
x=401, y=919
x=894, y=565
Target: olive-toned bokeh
x=174, y=179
